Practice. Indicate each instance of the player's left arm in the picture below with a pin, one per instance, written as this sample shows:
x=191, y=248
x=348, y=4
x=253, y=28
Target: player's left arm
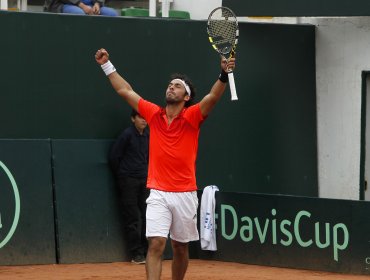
x=217, y=90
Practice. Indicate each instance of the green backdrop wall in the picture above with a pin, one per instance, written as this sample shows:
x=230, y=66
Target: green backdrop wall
x=90, y=228
x=52, y=88
x=59, y=113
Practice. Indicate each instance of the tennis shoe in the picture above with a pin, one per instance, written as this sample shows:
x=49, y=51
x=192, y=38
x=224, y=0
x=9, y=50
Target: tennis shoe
x=139, y=259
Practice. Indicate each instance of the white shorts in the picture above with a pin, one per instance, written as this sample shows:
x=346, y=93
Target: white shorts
x=174, y=213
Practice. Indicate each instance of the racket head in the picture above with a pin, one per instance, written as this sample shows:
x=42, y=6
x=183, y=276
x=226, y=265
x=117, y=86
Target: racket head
x=223, y=31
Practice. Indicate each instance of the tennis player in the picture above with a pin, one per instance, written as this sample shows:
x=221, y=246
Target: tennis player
x=173, y=144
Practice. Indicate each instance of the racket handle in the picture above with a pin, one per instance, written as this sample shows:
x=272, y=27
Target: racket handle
x=232, y=86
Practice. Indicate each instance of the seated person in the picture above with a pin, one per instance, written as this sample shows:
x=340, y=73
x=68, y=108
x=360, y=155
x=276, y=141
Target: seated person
x=80, y=7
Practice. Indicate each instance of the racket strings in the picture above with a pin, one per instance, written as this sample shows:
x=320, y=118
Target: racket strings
x=223, y=30
x=223, y=34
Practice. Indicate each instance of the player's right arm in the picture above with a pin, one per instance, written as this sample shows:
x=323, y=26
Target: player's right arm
x=120, y=85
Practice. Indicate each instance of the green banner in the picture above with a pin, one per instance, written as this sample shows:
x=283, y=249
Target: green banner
x=295, y=232
x=26, y=203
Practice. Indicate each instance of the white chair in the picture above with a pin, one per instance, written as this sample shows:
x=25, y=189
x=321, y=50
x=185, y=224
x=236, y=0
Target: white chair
x=165, y=7
x=21, y=5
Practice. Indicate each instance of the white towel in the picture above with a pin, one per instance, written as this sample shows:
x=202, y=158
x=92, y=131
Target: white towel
x=207, y=219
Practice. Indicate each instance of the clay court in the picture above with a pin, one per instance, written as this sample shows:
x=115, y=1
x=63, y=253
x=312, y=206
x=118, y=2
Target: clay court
x=198, y=270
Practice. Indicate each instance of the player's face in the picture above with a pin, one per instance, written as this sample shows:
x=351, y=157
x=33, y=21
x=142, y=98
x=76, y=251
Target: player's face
x=139, y=123
x=176, y=93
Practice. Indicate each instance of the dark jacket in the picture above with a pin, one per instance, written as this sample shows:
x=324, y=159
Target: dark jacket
x=129, y=155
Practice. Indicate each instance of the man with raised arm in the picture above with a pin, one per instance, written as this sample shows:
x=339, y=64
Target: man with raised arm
x=173, y=144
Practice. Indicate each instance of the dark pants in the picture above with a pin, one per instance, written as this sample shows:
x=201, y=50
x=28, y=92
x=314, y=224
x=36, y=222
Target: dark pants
x=133, y=194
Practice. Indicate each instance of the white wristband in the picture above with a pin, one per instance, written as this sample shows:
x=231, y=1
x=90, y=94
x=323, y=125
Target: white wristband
x=108, y=68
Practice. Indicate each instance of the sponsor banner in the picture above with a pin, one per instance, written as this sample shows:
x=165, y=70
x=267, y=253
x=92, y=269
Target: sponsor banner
x=297, y=232
x=26, y=203
x=10, y=200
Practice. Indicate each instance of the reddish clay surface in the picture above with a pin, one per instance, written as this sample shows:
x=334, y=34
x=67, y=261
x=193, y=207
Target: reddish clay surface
x=198, y=270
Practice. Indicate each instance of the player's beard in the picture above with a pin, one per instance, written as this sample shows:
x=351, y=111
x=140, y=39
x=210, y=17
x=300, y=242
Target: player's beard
x=172, y=99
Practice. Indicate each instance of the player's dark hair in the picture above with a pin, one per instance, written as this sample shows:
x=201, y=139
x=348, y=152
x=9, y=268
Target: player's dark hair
x=189, y=83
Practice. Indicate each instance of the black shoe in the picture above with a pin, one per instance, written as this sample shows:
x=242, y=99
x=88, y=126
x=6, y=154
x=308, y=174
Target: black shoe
x=139, y=259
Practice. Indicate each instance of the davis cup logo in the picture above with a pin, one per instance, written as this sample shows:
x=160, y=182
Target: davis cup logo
x=8, y=193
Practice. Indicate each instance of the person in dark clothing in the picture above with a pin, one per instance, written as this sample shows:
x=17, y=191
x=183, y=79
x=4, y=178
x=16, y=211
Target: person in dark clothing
x=128, y=159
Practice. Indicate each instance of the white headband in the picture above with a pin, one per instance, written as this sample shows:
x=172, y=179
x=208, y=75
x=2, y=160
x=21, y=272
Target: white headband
x=187, y=88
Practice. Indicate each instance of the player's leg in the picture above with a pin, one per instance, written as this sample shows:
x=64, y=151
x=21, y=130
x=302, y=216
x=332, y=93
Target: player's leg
x=153, y=264
x=180, y=259
x=158, y=222
x=183, y=230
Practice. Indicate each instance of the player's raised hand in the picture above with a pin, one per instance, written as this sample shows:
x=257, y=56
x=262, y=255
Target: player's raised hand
x=227, y=65
x=101, y=56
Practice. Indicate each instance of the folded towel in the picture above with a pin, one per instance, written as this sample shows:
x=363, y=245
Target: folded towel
x=207, y=219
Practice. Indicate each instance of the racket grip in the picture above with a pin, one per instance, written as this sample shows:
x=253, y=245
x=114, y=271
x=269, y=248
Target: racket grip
x=232, y=86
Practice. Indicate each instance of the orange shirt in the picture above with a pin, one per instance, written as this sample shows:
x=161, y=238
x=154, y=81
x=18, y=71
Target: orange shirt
x=172, y=148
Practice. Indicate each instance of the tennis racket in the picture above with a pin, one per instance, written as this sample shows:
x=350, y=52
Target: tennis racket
x=223, y=33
